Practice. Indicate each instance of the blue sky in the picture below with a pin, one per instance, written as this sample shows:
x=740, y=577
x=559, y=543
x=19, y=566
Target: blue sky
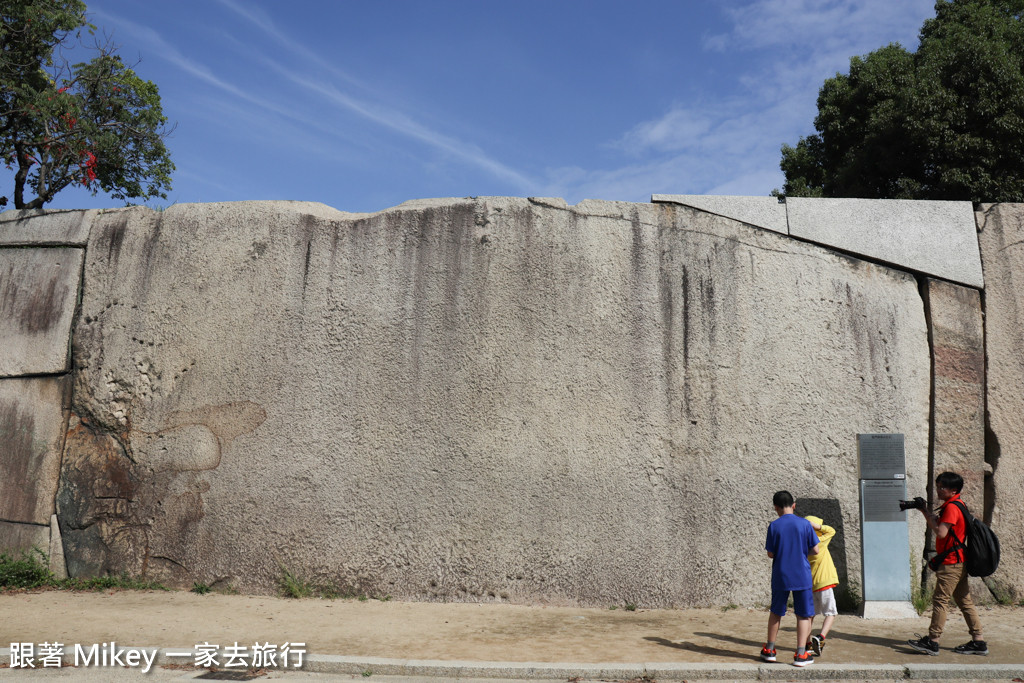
x=363, y=104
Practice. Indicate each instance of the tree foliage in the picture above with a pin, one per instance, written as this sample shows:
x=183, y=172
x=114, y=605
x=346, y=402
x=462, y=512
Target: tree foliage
x=95, y=124
x=944, y=122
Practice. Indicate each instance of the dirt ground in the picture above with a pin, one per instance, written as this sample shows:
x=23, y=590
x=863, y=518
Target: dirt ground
x=473, y=632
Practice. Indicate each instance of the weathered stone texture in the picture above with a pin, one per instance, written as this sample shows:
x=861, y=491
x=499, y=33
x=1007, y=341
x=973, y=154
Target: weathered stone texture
x=475, y=399
x=38, y=292
x=958, y=373
x=33, y=416
x=97, y=487
x=956, y=329
x=1001, y=236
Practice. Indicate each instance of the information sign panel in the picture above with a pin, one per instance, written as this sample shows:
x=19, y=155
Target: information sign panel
x=880, y=500
x=885, y=545
x=881, y=456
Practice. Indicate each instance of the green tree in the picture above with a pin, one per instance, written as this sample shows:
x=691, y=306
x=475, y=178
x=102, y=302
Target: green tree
x=944, y=122
x=95, y=124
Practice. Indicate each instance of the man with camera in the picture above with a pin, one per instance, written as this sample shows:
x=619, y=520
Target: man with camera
x=950, y=530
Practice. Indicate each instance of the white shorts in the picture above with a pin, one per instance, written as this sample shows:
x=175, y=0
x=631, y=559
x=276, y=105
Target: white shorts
x=825, y=603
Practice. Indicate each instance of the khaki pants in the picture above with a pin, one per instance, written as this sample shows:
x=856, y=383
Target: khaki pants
x=951, y=581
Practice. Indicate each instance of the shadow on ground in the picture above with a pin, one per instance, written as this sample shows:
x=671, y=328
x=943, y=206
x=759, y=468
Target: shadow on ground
x=702, y=649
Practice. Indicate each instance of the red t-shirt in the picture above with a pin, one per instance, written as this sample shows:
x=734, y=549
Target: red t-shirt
x=950, y=514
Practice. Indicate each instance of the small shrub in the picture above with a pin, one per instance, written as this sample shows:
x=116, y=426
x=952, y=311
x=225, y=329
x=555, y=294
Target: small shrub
x=922, y=599
x=200, y=588
x=31, y=570
x=293, y=586
x=920, y=595
x=111, y=581
x=630, y=606
x=327, y=592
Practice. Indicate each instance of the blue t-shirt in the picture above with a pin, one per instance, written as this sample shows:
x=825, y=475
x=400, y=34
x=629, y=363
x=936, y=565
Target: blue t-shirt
x=790, y=539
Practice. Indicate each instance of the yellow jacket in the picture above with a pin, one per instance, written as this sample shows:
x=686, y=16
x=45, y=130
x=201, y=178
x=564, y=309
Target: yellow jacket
x=823, y=569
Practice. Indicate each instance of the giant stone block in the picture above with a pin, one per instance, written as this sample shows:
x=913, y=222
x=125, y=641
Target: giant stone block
x=1001, y=235
x=33, y=417
x=38, y=293
x=475, y=399
x=958, y=371
x=933, y=237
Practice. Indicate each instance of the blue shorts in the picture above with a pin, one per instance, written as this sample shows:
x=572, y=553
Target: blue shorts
x=803, y=603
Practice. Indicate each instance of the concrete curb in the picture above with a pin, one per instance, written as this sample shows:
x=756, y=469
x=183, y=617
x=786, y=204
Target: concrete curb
x=454, y=669
x=947, y=672
x=378, y=666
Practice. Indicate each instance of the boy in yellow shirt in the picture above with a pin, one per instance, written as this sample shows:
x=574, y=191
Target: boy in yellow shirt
x=824, y=578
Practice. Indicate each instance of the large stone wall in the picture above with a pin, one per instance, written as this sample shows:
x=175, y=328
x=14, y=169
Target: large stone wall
x=489, y=398
x=39, y=287
x=1001, y=235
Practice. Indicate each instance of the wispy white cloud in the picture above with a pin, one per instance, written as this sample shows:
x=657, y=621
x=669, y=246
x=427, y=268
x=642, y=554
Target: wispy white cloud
x=171, y=54
x=263, y=22
x=680, y=128
x=378, y=114
x=731, y=144
x=846, y=23
x=401, y=123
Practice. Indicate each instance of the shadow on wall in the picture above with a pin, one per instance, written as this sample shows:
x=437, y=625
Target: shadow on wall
x=847, y=595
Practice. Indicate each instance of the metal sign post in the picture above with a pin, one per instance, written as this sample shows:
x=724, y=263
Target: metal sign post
x=885, y=541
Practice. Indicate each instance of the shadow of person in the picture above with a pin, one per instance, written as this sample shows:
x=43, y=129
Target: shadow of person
x=703, y=649
x=729, y=639
x=904, y=649
x=869, y=640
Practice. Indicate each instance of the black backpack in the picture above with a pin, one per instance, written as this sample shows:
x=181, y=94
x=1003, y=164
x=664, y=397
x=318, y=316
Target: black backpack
x=981, y=547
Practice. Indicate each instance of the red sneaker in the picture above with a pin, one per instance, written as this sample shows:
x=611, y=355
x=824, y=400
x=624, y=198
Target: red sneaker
x=766, y=654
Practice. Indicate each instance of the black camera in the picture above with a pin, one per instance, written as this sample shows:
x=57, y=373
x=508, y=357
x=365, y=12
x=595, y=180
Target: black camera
x=918, y=503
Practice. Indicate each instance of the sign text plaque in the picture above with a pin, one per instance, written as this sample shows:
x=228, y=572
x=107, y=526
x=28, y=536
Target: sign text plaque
x=881, y=456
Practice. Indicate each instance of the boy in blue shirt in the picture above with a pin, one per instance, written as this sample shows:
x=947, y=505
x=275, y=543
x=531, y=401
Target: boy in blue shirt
x=790, y=540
